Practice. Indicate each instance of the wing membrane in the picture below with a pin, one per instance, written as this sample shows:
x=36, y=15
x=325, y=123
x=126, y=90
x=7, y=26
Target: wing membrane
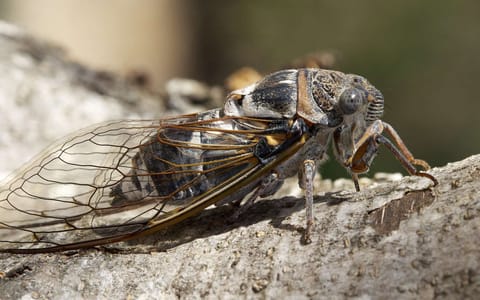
x=121, y=179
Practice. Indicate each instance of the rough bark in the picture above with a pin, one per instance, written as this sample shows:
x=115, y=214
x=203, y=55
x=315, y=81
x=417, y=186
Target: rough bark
x=397, y=238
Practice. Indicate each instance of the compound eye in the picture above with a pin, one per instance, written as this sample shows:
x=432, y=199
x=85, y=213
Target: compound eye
x=351, y=100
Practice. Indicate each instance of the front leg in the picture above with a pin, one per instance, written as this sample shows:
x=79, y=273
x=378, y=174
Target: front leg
x=367, y=146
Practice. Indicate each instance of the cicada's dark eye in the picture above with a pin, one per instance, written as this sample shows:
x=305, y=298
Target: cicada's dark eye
x=351, y=100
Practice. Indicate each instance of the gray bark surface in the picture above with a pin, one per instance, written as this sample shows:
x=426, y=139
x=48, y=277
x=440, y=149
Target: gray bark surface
x=396, y=239
x=400, y=239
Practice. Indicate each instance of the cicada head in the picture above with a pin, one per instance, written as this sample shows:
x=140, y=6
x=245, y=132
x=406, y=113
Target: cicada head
x=359, y=104
x=350, y=96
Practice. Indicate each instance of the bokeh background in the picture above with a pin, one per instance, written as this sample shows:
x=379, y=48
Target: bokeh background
x=423, y=55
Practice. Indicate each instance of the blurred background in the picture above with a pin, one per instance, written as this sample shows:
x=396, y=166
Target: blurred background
x=423, y=55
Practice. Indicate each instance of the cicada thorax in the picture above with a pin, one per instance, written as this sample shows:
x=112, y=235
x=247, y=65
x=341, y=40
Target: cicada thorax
x=310, y=94
x=275, y=96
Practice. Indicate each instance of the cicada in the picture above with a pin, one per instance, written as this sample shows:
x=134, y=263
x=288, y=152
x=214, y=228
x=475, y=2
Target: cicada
x=125, y=179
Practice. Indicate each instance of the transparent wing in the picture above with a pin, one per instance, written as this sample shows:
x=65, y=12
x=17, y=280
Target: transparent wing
x=119, y=179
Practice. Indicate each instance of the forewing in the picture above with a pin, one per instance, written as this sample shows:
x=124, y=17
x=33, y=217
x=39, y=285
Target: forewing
x=119, y=179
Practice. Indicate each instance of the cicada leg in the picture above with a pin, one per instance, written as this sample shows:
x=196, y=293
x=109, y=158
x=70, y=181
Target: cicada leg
x=241, y=208
x=366, y=148
x=403, y=148
x=267, y=187
x=408, y=164
x=308, y=175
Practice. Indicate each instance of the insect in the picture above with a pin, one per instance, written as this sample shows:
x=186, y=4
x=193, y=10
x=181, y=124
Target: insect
x=125, y=179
